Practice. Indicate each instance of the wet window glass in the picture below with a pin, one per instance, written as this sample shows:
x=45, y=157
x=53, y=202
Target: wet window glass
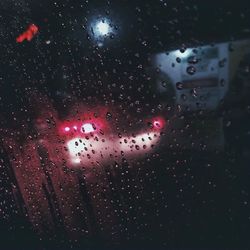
x=124, y=124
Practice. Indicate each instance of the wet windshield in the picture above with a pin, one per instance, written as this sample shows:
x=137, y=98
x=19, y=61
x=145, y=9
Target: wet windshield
x=124, y=124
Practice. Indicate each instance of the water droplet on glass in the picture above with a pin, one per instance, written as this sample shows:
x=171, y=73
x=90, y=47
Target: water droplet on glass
x=164, y=84
x=191, y=70
x=193, y=60
x=178, y=59
x=193, y=93
x=183, y=48
x=222, y=63
x=179, y=85
x=150, y=124
x=108, y=116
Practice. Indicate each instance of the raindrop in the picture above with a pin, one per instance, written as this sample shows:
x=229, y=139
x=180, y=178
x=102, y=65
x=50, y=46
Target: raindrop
x=150, y=124
x=108, y=116
x=164, y=84
x=193, y=93
x=178, y=59
x=193, y=60
x=195, y=51
x=222, y=63
x=183, y=48
x=191, y=70
x=179, y=85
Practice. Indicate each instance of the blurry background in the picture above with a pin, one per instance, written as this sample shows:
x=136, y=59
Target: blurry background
x=188, y=62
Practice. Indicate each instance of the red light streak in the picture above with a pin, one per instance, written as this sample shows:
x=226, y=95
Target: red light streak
x=28, y=34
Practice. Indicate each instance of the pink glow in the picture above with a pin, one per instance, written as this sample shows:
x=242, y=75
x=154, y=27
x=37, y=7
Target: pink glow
x=66, y=129
x=159, y=123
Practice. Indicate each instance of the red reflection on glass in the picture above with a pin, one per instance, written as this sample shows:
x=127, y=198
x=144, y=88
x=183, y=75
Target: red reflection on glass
x=28, y=34
x=158, y=123
x=78, y=128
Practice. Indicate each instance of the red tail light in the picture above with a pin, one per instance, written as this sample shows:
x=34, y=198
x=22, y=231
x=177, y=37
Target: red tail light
x=158, y=123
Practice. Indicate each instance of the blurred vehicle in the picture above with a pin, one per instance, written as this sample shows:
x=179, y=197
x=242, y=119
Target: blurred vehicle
x=124, y=124
x=97, y=136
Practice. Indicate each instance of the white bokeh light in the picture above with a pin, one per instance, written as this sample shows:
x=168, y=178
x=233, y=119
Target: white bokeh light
x=103, y=28
x=88, y=128
x=131, y=146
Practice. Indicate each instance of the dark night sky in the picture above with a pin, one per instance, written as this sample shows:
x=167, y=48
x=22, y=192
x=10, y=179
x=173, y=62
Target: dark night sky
x=143, y=27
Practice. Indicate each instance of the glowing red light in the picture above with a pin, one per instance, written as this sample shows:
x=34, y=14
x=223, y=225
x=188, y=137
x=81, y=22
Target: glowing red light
x=159, y=123
x=28, y=34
